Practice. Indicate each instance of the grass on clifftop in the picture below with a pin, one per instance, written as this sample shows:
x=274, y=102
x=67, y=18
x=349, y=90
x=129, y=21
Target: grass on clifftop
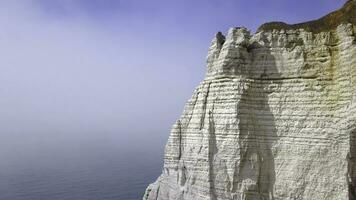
x=327, y=23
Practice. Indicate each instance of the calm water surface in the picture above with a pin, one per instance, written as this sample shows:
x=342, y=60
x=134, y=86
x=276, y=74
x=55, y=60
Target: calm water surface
x=82, y=173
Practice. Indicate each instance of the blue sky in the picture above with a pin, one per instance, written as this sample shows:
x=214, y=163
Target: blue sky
x=114, y=71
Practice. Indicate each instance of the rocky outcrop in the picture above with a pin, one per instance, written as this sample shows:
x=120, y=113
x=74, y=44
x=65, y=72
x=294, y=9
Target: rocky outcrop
x=275, y=118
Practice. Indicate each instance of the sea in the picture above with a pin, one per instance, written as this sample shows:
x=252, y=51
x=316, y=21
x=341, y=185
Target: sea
x=82, y=172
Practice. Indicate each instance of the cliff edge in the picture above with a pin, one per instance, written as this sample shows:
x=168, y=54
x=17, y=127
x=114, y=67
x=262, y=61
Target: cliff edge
x=274, y=118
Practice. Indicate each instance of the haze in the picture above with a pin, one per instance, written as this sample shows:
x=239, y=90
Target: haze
x=84, y=75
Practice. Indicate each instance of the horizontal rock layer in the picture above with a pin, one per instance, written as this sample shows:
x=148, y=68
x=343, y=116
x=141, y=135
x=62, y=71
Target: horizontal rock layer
x=275, y=118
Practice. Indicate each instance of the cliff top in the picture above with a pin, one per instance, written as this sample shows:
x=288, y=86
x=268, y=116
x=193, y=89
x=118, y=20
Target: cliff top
x=346, y=14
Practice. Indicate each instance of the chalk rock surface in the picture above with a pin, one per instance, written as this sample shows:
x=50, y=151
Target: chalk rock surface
x=275, y=118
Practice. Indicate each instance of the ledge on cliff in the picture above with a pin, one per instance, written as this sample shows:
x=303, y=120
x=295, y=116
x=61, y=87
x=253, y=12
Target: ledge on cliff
x=346, y=14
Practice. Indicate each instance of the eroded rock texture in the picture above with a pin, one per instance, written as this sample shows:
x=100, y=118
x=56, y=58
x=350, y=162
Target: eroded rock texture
x=275, y=118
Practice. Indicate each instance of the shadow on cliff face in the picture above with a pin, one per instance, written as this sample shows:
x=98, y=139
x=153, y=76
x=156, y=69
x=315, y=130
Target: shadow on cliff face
x=351, y=175
x=257, y=130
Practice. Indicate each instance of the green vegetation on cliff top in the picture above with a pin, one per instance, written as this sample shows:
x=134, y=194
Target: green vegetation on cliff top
x=346, y=14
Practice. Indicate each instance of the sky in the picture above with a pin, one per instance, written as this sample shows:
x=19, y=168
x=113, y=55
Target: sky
x=79, y=73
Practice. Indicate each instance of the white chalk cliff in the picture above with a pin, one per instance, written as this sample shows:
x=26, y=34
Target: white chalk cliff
x=274, y=119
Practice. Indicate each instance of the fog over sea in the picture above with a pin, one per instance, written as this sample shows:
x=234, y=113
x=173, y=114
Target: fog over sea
x=82, y=171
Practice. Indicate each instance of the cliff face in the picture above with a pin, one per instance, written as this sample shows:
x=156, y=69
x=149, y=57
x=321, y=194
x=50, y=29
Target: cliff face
x=275, y=118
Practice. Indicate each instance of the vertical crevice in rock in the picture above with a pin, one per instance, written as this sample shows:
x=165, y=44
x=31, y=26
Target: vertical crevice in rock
x=182, y=174
x=179, y=130
x=212, y=150
x=205, y=102
x=190, y=114
x=157, y=192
